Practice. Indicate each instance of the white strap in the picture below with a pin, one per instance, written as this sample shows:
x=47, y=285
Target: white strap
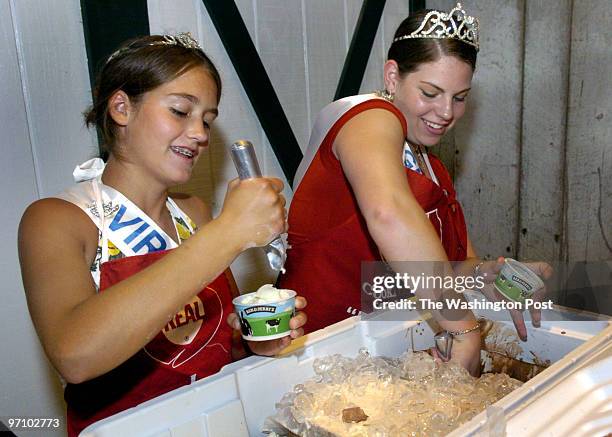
x=88, y=170
x=325, y=120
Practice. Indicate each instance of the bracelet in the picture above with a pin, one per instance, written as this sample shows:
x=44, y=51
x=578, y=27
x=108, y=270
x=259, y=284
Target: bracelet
x=465, y=331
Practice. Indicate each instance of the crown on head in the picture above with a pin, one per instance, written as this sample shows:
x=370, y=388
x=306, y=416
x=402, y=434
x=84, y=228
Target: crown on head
x=455, y=24
x=183, y=39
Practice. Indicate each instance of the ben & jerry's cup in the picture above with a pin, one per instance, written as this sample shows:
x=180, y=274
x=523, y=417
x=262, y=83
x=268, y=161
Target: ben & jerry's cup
x=516, y=281
x=265, y=313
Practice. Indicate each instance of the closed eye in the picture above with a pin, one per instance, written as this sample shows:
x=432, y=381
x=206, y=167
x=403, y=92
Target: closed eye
x=178, y=113
x=426, y=94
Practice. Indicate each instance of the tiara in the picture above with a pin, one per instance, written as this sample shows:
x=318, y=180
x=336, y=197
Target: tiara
x=453, y=25
x=183, y=39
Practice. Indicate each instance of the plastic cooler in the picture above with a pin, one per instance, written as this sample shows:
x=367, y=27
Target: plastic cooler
x=571, y=397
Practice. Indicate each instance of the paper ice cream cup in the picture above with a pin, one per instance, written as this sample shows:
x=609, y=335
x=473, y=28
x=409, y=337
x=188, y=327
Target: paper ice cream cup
x=516, y=281
x=262, y=321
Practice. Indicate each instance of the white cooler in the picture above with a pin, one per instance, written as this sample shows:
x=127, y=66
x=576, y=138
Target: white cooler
x=572, y=397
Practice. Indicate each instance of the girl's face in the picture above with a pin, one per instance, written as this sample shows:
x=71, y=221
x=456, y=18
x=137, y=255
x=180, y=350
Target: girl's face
x=432, y=98
x=170, y=126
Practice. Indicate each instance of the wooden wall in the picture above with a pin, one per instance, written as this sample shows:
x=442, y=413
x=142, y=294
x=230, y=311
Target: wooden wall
x=532, y=154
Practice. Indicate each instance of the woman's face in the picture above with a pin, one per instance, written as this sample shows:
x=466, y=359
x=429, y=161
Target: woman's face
x=168, y=129
x=432, y=98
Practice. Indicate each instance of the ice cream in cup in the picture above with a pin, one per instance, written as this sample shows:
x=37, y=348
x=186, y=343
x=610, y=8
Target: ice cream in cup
x=516, y=281
x=265, y=313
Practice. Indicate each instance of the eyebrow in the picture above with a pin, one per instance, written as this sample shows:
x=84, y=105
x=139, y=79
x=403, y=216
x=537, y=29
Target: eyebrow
x=442, y=90
x=193, y=99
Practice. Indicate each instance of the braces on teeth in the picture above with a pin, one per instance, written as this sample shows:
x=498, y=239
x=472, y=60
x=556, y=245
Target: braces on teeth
x=182, y=151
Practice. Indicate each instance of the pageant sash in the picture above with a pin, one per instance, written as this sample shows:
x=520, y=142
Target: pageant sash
x=131, y=230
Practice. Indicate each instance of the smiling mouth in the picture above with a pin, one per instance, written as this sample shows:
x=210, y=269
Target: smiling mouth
x=182, y=151
x=433, y=125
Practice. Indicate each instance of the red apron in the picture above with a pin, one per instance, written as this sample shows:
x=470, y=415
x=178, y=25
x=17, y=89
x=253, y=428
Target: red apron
x=196, y=343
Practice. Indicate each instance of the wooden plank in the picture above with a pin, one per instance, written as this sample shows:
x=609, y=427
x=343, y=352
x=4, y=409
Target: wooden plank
x=173, y=17
x=545, y=85
x=108, y=24
x=256, y=81
x=589, y=158
x=362, y=41
x=55, y=76
x=280, y=42
x=34, y=387
x=488, y=137
x=325, y=36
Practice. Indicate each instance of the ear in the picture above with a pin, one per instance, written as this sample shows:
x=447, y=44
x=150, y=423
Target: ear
x=391, y=75
x=119, y=107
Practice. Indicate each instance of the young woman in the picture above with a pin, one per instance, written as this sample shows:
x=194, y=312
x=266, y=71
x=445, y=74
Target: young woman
x=128, y=286
x=367, y=190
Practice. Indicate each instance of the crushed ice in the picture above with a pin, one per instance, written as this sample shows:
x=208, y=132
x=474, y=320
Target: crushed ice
x=407, y=396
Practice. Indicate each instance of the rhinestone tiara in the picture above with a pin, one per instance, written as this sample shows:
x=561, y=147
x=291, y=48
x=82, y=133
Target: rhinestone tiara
x=455, y=24
x=183, y=39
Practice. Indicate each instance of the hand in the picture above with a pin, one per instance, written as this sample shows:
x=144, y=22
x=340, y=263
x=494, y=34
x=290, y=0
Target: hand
x=254, y=209
x=466, y=351
x=273, y=347
x=489, y=271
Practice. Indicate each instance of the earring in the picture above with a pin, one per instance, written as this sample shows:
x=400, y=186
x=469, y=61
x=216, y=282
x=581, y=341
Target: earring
x=389, y=97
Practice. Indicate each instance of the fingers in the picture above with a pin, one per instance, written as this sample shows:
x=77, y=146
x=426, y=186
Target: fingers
x=499, y=263
x=300, y=302
x=276, y=183
x=519, y=324
x=298, y=320
x=536, y=314
x=543, y=269
x=232, y=320
x=270, y=347
x=295, y=333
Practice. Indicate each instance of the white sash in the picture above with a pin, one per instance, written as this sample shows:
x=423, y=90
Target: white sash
x=131, y=230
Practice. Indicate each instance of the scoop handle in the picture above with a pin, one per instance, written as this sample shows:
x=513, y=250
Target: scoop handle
x=245, y=161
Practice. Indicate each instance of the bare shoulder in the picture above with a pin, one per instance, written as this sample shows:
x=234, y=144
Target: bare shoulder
x=198, y=210
x=51, y=221
x=368, y=129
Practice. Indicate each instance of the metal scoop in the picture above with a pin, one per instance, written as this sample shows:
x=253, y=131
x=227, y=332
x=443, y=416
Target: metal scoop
x=245, y=160
x=444, y=344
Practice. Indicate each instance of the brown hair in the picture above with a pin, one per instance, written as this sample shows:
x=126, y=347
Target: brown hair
x=138, y=66
x=412, y=52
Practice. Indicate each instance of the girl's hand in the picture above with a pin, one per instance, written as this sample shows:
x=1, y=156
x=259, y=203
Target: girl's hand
x=273, y=347
x=466, y=351
x=489, y=271
x=254, y=211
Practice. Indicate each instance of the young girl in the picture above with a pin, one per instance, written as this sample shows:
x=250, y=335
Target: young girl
x=128, y=286
x=367, y=190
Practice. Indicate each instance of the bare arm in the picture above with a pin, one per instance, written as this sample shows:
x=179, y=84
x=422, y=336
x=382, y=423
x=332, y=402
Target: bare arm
x=86, y=334
x=369, y=148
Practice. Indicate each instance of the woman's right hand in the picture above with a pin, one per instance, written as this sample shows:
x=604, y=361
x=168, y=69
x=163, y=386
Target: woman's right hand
x=466, y=351
x=254, y=209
